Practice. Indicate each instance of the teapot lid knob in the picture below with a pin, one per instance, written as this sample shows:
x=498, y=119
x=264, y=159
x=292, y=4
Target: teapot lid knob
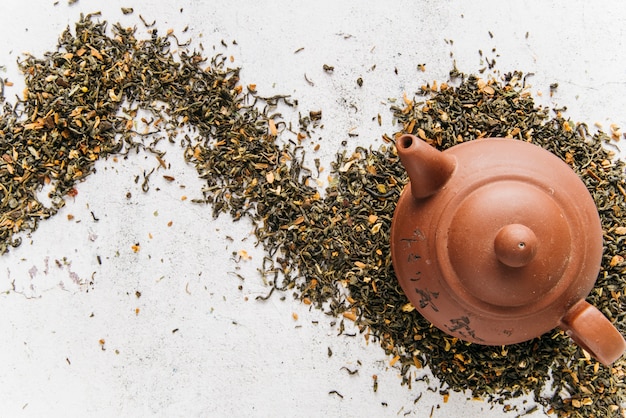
x=515, y=245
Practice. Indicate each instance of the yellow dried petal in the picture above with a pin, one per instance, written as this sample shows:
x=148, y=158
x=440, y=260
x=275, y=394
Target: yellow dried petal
x=617, y=259
x=349, y=315
x=344, y=168
x=96, y=53
x=620, y=230
x=489, y=90
x=273, y=130
x=407, y=101
x=408, y=307
x=244, y=255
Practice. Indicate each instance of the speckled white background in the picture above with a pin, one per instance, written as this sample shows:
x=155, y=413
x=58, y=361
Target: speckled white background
x=230, y=354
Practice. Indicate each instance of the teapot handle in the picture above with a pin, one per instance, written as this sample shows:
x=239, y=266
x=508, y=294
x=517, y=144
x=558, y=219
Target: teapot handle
x=592, y=331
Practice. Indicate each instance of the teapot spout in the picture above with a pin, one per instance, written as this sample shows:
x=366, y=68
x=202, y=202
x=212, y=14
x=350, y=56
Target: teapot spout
x=428, y=169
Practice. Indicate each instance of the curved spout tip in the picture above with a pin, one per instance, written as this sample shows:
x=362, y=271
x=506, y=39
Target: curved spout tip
x=428, y=169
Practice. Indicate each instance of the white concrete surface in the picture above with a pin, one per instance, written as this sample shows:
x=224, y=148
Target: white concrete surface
x=199, y=346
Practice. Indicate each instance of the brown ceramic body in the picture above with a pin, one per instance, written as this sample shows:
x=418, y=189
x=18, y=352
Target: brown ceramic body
x=497, y=241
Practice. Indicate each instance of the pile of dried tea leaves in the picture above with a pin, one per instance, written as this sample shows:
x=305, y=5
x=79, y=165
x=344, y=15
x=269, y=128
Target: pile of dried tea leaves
x=80, y=105
x=342, y=242
x=330, y=249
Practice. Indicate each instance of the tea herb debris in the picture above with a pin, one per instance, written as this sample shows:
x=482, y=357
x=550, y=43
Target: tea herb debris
x=79, y=105
x=337, y=252
x=330, y=250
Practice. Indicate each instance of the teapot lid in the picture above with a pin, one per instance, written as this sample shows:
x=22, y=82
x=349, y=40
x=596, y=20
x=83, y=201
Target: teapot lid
x=508, y=240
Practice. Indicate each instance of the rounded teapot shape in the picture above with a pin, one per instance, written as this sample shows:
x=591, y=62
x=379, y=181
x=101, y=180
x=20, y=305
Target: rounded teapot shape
x=497, y=241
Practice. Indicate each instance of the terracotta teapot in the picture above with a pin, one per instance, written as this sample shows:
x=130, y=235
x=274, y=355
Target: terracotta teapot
x=497, y=241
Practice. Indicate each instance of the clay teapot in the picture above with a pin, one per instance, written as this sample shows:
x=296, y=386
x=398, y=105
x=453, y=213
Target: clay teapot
x=497, y=241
